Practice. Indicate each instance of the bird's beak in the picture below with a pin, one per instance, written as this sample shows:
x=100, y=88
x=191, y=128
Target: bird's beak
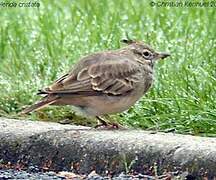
x=163, y=55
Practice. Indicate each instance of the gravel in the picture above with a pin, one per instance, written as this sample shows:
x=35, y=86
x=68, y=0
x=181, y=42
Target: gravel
x=28, y=175
x=15, y=174
x=20, y=174
x=33, y=173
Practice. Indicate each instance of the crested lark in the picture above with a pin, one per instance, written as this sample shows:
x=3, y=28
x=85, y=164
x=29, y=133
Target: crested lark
x=105, y=82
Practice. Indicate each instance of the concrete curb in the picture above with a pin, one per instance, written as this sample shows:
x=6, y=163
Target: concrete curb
x=66, y=147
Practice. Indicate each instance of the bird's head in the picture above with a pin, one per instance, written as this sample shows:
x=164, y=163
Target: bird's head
x=144, y=52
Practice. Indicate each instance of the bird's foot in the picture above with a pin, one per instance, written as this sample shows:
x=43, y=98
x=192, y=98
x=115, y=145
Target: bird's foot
x=107, y=126
x=102, y=124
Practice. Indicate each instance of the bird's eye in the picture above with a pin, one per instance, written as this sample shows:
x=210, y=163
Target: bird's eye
x=146, y=54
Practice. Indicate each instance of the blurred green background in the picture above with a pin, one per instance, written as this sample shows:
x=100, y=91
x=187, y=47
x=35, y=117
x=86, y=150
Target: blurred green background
x=37, y=45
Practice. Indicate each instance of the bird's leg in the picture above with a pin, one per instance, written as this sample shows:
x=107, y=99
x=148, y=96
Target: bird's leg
x=102, y=123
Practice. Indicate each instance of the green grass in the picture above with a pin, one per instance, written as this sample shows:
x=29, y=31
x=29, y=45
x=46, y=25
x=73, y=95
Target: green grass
x=37, y=45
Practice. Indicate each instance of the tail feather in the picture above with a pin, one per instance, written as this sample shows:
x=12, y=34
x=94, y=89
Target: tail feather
x=45, y=101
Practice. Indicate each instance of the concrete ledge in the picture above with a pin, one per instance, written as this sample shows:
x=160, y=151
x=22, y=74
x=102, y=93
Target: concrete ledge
x=66, y=147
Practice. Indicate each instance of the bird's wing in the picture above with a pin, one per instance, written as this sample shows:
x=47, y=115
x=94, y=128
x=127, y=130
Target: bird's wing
x=114, y=77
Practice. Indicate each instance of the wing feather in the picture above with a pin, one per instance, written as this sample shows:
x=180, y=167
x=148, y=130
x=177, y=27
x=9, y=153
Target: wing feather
x=114, y=77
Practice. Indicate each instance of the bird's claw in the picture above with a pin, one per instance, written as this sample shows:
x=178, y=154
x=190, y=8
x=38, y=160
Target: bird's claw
x=107, y=126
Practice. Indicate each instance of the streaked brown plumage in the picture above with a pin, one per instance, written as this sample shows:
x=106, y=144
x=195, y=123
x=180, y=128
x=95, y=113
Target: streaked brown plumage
x=105, y=82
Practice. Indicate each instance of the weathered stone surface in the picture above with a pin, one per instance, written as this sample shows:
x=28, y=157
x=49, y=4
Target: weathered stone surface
x=62, y=147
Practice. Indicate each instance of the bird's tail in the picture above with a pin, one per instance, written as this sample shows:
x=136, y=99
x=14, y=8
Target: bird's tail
x=45, y=101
